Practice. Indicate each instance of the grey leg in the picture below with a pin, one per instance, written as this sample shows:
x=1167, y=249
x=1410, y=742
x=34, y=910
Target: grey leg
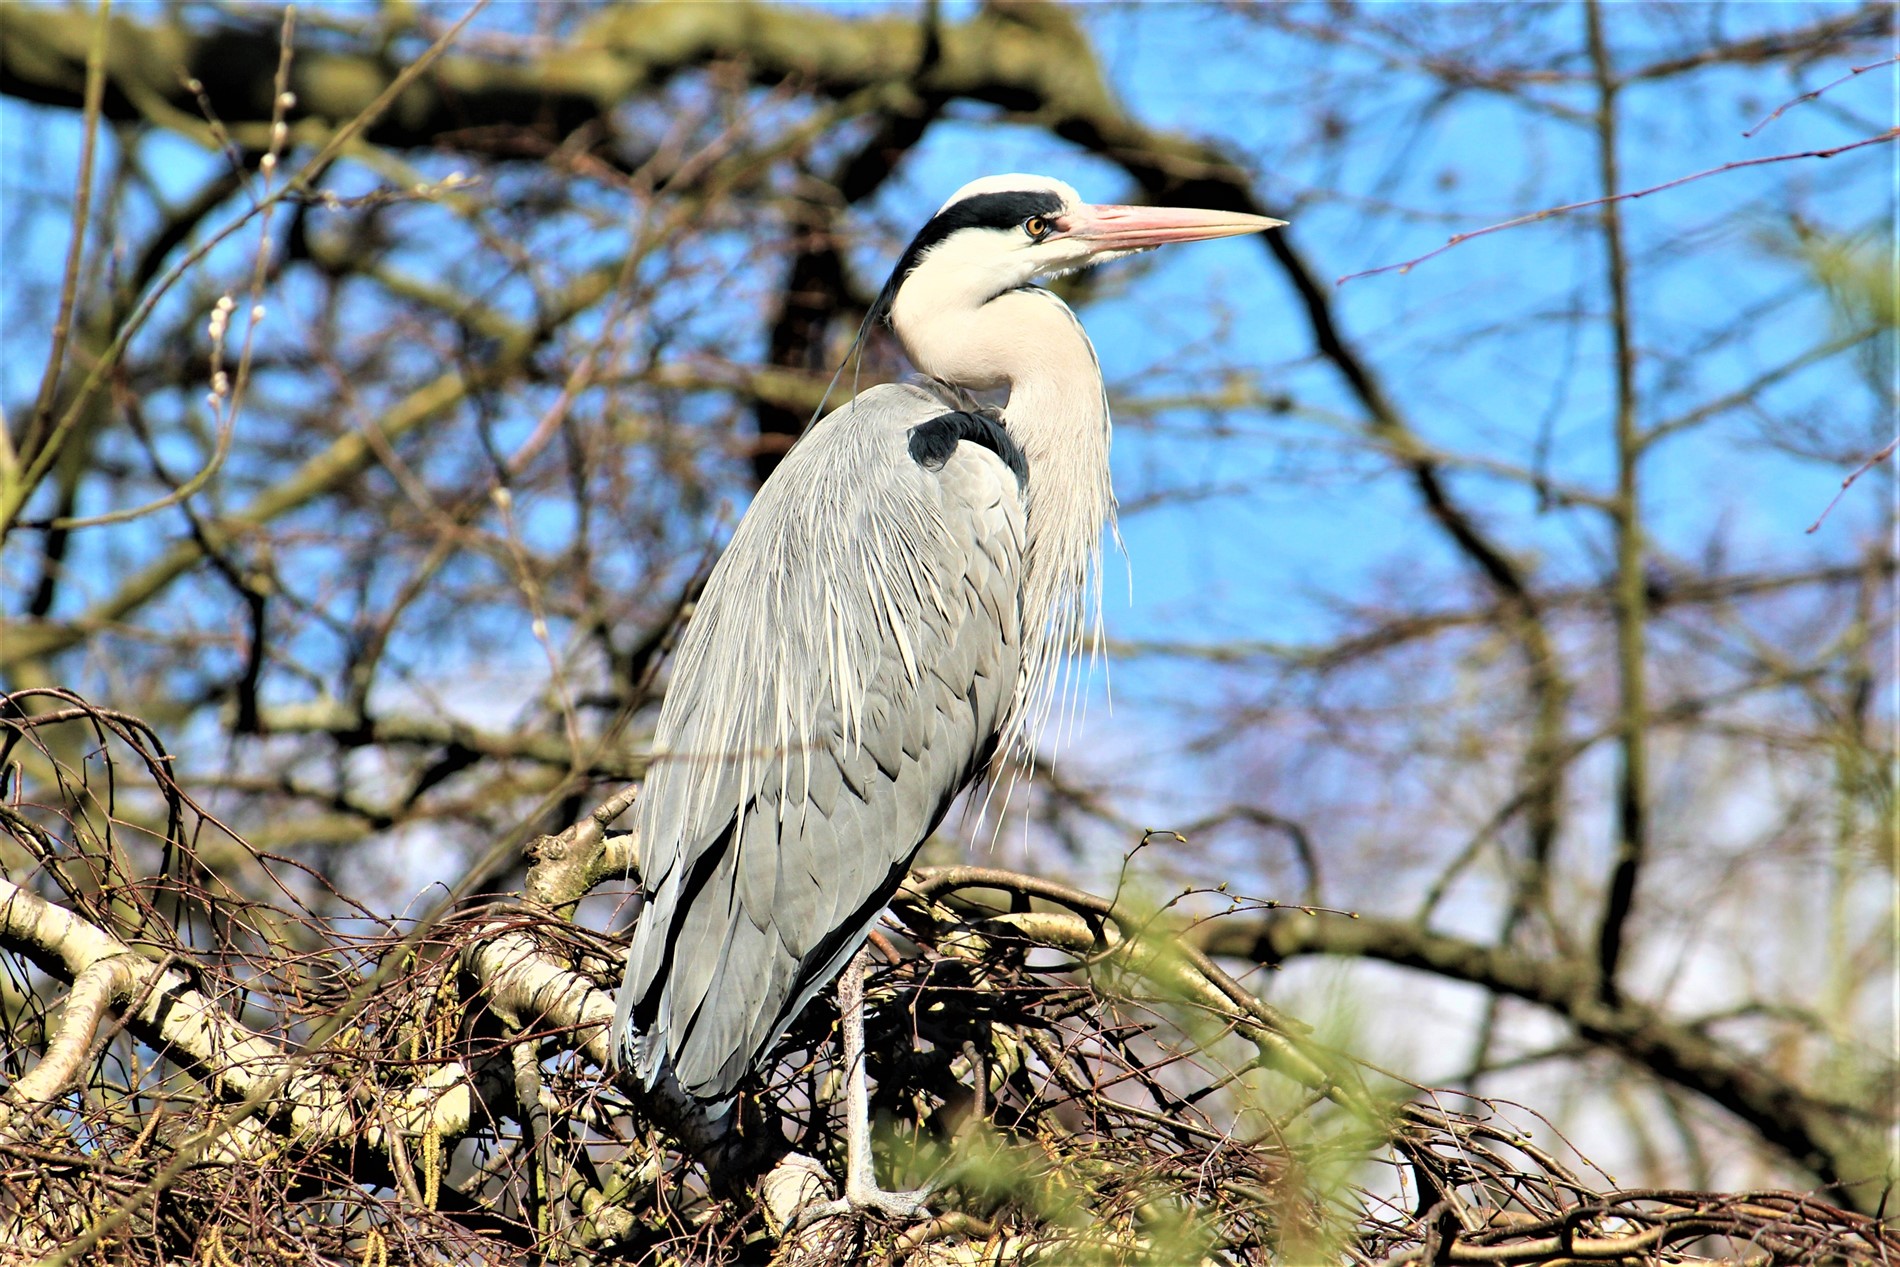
x=861, y=1193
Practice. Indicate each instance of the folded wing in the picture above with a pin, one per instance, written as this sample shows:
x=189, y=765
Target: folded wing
x=842, y=679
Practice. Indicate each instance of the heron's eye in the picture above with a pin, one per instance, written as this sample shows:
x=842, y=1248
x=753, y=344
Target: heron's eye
x=1037, y=228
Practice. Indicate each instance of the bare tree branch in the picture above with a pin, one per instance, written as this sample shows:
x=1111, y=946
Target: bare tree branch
x=1823, y=1137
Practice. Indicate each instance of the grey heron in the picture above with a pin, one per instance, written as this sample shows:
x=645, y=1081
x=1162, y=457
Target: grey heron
x=895, y=608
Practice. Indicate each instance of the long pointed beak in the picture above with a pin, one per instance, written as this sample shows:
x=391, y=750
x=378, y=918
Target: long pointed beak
x=1111, y=228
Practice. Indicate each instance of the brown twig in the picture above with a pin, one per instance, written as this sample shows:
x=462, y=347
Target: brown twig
x=1785, y=106
x=1853, y=475
x=1458, y=239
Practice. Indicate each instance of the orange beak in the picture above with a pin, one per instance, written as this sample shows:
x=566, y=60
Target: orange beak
x=1110, y=228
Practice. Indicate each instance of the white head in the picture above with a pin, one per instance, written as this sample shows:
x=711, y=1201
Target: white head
x=1002, y=233
x=963, y=303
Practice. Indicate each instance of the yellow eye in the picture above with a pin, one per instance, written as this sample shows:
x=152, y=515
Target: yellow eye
x=1037, y=228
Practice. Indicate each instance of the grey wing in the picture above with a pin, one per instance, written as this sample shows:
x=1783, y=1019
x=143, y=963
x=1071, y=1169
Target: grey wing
x=843, y=678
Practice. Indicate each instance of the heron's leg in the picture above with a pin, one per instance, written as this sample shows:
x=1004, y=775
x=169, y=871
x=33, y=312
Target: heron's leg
x=861, y=1193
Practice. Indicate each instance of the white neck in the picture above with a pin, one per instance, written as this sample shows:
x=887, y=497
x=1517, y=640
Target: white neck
x=1030, y=341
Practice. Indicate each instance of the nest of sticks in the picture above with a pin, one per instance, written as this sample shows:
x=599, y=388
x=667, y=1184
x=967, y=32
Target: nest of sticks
x=212, y=1055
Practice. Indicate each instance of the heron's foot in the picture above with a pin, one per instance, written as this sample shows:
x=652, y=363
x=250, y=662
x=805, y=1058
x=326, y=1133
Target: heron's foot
x=867, y=1200
x=907, y=1207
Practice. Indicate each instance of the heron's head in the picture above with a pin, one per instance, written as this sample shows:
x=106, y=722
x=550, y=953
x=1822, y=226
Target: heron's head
x=1004, y=232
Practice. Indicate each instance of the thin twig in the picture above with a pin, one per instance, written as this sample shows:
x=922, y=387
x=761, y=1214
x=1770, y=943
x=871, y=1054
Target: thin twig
x=75, y=249
x=1785, y=106
x=1853, y=475
x=1458, y=239
x=227, y=391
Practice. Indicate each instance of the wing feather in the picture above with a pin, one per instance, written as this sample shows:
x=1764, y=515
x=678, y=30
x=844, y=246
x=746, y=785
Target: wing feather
x=844, y=676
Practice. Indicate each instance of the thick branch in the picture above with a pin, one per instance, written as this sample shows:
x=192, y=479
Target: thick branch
x=174, y=1016
x=815, y=288
x=566, y=867
x=1003, y=55
x=95, y=989
x=1808, y=1130
x=1632, y=844
x=353, y=728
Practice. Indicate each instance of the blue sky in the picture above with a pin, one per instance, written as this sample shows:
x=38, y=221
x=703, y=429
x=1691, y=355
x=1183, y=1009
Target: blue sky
x=1472, y=343
x=1479, y=346
x=1183, y=67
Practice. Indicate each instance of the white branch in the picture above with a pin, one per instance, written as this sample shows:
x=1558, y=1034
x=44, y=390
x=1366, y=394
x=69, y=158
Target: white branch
x=94, y=991
x=314, y=1110
x=522, y=980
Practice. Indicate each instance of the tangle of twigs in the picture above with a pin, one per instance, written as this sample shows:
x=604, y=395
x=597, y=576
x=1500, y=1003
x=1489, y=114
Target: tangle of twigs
x=1076, y=1085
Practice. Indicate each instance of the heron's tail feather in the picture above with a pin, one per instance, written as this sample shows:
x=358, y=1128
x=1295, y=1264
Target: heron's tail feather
x=644, y=1056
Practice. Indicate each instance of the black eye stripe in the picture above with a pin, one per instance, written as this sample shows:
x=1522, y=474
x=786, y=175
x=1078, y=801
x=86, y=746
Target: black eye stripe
x=1006, y=210
x=995, y=211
